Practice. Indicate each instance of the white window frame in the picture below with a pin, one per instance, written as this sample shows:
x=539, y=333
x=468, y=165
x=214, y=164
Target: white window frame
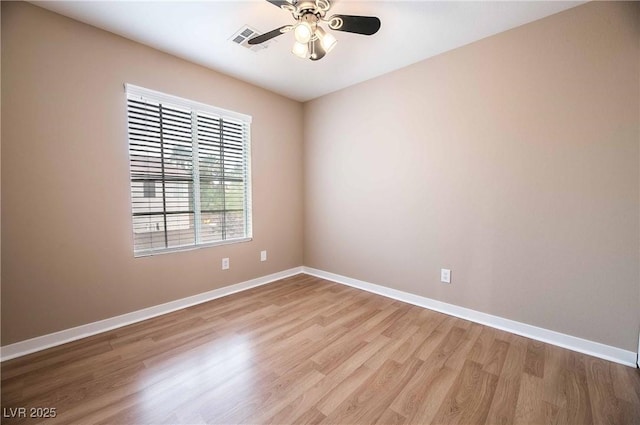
x=132, y=91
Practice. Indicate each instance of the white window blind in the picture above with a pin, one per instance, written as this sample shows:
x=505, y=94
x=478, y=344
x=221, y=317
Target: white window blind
x=190, y=173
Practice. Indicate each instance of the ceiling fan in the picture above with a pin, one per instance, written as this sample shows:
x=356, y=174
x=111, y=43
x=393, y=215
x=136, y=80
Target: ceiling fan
x=312, y=41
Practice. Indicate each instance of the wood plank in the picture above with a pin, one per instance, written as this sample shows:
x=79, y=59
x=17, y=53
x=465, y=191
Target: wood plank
x=425, y=392
x=420, y=399
x=530, y=406
x=534, y=362
x=330, y=402
x=605, y=406
x=469, y=397
x=311, y=417
x=503, y=406
x=389, y=417
x=370, y=400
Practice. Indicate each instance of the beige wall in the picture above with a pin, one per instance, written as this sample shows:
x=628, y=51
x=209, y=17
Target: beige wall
x=513, y=161
x=66, y=224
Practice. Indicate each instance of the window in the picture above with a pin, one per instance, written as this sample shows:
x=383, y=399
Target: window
x=190, y=173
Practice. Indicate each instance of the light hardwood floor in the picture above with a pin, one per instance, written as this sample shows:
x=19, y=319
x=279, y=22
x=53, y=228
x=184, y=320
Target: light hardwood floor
x=304, y=350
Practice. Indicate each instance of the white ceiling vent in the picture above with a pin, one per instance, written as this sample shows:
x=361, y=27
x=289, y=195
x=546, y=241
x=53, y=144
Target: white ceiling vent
x=245, y=34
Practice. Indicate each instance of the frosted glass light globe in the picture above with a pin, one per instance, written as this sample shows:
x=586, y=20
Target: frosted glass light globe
x=303, y=32
x=300, y=50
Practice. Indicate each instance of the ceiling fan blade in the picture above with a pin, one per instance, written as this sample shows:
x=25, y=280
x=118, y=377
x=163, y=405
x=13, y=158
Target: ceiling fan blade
x=279, y=3
x=365, y=25
x=267, y=35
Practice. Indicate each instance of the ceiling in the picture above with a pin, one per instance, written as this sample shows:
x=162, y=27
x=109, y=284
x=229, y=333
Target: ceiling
x=201, y=32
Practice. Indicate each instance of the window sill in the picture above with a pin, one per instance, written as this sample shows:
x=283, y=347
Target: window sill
x=153, y=252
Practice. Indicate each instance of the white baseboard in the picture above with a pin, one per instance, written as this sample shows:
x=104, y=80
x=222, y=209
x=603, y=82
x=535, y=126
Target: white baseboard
x=58, y=338
x=596, y=349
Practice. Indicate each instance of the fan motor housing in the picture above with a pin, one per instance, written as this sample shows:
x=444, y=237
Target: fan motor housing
x=305, y=7
x=310, y=18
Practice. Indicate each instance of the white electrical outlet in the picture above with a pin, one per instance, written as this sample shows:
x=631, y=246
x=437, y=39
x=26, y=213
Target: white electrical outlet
x=263, y=255
x=225, y=264
x=445, y=275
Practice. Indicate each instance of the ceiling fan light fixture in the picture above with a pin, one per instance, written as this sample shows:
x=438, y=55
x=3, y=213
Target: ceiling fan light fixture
x=327, y=40
x=301, y=50
x=311, y=40
x=303, y=32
